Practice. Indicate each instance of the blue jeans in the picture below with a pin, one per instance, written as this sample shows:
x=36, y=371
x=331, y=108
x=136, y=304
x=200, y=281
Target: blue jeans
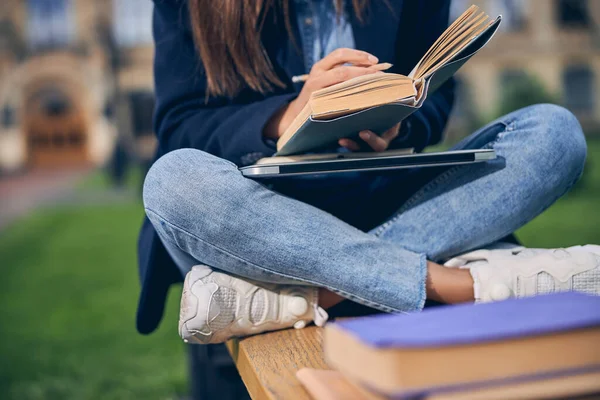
x=366, y=237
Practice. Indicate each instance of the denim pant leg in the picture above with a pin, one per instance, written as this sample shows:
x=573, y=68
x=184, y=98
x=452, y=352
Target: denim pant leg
x=203, y=206
x=541, y=152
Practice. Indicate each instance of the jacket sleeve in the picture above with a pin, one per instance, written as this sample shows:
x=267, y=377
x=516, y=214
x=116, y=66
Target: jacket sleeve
x=425, y=127
x=184, y=118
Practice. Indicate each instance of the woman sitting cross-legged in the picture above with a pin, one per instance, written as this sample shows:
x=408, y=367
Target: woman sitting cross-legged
x=261, y=257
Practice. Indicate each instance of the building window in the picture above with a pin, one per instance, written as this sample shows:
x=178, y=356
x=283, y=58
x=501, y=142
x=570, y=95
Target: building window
x=514, y=13
x=50, y=23
x=573, y=13
x=142, y=110
x=132, y=22
x=53, y=102
x=108, y=111
x=8, y=117
x=578, y=87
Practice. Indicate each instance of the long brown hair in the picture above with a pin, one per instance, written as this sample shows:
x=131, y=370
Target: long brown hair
x=227, y=36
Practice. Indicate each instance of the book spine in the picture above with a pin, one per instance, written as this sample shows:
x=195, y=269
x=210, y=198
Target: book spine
x=470, y=386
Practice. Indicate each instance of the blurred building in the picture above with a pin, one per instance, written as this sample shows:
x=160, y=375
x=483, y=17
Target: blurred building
x=73, y=73
x=555, y=41
x=76, y=75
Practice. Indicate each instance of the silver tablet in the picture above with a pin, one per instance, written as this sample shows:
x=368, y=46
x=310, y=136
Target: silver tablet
x=276, y=168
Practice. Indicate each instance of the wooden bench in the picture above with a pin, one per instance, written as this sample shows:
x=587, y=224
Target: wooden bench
x=268, y=363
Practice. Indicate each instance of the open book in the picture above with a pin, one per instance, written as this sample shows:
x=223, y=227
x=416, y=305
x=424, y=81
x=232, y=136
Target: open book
x=379, y=101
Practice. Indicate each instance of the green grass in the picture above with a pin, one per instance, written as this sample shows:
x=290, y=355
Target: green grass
x=100, y=180
x=69, y=289
x=68, y=295
x=575, y=218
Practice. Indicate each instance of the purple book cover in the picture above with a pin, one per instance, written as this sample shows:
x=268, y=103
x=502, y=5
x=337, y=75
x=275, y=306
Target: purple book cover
x=476, y=323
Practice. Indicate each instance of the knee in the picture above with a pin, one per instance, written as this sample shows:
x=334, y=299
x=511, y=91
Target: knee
x=181, y=181
x=560, y=142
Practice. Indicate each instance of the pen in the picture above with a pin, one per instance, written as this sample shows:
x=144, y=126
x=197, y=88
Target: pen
x=377, y=67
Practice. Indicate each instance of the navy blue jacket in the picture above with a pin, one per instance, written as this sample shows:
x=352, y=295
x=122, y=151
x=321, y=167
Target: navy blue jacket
x=399, y=32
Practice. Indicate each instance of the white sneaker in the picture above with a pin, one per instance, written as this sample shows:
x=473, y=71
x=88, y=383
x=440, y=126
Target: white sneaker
x=499, y=274
x=216, y=306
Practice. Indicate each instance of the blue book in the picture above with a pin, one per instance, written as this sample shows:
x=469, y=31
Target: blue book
x=468, y=346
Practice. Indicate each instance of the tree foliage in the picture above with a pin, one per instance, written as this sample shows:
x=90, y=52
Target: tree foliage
x=521, y=92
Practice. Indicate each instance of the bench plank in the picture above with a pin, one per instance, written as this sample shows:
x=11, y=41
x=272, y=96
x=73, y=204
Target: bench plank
x=268, y=363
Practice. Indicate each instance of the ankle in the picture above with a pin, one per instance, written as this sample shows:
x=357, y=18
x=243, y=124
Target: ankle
x=328, y=299
x=449, y=285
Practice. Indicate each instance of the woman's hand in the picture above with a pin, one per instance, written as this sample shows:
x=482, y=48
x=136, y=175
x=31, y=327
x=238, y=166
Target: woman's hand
x=327, y=72
x=377, y=143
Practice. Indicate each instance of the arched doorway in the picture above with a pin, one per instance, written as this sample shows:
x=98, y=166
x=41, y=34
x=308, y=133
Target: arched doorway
x=55, y=128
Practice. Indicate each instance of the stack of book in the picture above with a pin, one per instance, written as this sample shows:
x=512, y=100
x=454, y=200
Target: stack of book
x=533, y=348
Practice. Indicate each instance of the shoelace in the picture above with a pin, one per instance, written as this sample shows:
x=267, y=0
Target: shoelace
x=321, y=316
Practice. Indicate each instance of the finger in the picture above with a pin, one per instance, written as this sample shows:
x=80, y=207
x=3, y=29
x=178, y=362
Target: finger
x=343, y=56
x=338, y=75
x=391, y=133
x=376, y=143
x=349, y=144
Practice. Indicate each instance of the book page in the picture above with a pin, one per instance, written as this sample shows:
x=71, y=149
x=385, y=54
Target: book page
x=448, y=32
x=358, y=82
x=458, y=35
x=327, y=108
x=456, y=50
